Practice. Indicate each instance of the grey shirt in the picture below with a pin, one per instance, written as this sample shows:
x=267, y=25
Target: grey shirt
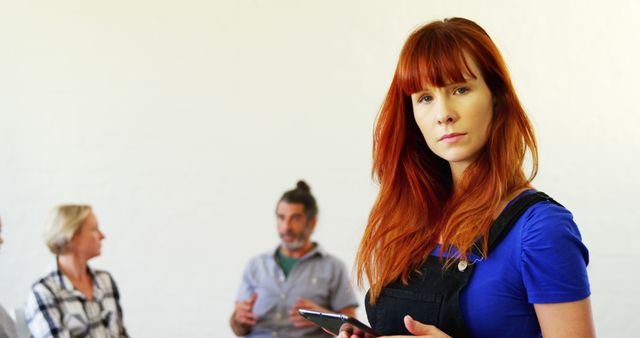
x=7, y=326
x=317, y=276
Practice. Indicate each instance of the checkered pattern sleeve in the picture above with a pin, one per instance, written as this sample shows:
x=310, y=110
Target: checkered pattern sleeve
x=43, y=314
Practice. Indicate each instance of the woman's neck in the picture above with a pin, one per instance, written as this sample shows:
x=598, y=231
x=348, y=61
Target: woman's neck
x=456, y=174
x=73, y=267
x=508, y=198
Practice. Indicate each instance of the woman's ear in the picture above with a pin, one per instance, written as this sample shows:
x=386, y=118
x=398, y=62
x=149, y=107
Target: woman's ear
x=71, y=243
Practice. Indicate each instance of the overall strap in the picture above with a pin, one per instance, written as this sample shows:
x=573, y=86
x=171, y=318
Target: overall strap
x=509, y=216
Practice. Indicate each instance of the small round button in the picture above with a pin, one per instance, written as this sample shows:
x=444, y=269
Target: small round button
x=462, y=265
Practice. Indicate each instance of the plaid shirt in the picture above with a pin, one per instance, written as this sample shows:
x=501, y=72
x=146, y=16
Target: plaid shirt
x=55, y=308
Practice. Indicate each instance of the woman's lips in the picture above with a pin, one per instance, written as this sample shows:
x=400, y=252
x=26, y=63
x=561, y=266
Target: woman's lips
x=452, y=137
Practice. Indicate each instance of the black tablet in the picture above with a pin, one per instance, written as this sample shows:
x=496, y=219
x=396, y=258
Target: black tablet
x=336, y=322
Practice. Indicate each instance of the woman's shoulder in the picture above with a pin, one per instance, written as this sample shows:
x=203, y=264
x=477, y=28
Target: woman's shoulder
x=546, y=227
x=49, y=282
x=103, y=277
x=102, y=273
x=46, y=290
x=547, y=219
x=553, y=257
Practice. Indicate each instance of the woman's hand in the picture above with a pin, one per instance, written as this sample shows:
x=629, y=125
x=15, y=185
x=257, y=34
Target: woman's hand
x=413, y=326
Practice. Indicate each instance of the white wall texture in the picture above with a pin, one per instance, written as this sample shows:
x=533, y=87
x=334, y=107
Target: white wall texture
x=182, y=122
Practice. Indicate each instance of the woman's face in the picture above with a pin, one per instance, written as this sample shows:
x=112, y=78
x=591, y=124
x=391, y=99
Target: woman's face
x=86, y=242
x=454, y=119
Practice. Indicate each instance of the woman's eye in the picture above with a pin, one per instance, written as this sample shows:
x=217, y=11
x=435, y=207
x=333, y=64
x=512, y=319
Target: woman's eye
x=462, y=90
x=425, y=99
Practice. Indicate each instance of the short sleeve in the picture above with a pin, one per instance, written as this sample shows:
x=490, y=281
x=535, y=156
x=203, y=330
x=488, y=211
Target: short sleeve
x=554, y=259
x=342, y=295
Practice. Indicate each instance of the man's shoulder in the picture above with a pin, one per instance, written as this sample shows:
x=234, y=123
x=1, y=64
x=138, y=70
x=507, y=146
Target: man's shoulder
x=329, y=259
x=261, y=258
x=334, y=260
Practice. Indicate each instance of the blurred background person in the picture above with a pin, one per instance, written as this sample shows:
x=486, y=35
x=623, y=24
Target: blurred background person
x=74, y=300
x=297, y=274
x=7, y=326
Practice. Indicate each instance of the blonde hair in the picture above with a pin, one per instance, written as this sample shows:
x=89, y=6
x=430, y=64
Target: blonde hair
x=66, y=221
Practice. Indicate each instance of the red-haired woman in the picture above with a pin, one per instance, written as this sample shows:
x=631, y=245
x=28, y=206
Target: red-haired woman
x=458, y=242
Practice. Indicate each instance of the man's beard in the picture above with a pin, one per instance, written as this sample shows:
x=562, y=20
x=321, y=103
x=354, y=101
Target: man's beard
x=295, y=245
x=300, y=239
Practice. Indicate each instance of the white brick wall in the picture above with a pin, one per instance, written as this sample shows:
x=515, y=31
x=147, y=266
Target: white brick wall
x=183, y=122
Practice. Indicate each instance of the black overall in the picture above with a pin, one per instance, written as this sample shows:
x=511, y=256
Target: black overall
x=432, y=296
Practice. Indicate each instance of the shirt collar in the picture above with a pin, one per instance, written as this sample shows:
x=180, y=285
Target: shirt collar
x=317, y=250
x=65, y=282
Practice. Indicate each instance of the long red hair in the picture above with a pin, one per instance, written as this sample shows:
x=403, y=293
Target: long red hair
x=417, y=204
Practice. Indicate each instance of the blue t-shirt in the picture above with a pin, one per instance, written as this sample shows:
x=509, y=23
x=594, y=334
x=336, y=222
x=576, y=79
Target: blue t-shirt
x=541, y=260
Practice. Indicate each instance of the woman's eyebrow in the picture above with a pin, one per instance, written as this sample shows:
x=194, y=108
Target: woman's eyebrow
x=466, y=80
x=458, y=83
x=447, y=85
x=422, y=92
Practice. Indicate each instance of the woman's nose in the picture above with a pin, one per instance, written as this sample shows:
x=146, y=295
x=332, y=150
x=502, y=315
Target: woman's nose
x=446, y=114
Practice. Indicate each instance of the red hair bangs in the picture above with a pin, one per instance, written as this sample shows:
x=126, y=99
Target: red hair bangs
x=434, y=58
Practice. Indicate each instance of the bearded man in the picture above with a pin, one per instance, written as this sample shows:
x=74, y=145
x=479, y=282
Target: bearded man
x=298, y=274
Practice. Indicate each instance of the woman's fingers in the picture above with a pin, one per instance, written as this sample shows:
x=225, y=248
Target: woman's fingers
x=420, y=329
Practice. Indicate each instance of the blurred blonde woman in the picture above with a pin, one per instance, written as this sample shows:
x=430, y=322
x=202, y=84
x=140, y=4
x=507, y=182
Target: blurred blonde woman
x=74, y=300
